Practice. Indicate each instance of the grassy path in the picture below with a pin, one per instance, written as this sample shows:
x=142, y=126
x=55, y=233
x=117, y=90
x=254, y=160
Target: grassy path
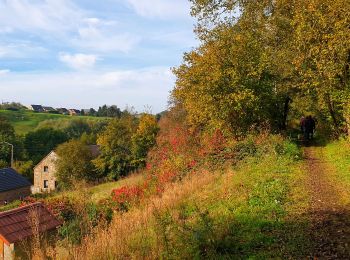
x=330, y=218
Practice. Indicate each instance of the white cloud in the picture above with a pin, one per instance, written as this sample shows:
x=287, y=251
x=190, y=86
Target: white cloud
x=20, y=49
x=4, y=72
x=102, y=36
x=138, y=88
x=161, y=8
x=64, y=23
x=50, y=15
x=78, y=61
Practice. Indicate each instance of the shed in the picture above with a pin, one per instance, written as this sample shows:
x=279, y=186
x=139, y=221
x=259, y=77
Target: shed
x=13, y=186
x=18, y=225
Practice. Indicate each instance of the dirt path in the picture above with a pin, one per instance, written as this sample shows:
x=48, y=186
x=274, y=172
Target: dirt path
x=330, y=228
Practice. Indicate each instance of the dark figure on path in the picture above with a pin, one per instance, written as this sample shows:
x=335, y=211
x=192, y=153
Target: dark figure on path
x=309, y=128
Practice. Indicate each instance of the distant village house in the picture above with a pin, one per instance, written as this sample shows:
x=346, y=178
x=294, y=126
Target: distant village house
x=74, y=112
x=49, y=109
x=63, y=111
x=13, y=186
x=36, y=108
x=19, y=225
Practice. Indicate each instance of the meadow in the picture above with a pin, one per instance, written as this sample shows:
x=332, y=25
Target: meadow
x=25, y=121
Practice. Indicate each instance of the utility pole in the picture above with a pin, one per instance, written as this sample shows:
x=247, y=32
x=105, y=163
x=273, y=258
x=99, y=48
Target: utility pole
x=11, y=152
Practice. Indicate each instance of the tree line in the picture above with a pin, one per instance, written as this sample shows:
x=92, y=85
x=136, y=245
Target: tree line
x=261, y=62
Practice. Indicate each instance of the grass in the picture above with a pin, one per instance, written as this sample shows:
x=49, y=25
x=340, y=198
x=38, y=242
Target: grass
x=337, y=154
x=24, y=120
x=96, y=193
x=251, y=211
x=101, y=191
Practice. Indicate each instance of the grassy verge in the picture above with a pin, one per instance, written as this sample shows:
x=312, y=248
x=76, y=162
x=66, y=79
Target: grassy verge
x=338, y=157
x=247, y=211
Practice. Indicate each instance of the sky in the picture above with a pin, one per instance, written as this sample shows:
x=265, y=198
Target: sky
x=86, y=53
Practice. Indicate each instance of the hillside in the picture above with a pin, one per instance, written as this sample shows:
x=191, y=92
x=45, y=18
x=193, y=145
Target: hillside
x=271, y=206
x=24, y=121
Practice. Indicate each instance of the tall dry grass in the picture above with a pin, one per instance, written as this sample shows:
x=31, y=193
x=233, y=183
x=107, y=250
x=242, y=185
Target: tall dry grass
x=133, y=234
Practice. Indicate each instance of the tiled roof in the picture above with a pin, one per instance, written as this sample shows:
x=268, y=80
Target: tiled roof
x=37, y=107
x=11, y=180
x=74, y=110
x=17, y=224
x=49, y=109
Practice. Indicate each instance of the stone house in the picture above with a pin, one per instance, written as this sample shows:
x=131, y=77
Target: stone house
x=13, y=186
x=44, y=174
x=18, y=226
x=45, y=171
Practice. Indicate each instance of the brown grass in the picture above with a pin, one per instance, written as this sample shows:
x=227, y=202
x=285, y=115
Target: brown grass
x=128, y=231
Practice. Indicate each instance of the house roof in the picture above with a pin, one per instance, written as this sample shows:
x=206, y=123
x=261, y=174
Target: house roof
x=11, y=180
x=62, y=109
x=49, y=108
x=52, y=152
x=37, y=107
x=17, y=224
x=74, y=110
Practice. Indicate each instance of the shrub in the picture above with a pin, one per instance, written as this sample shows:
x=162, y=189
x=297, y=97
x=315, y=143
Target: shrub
x=124, y=197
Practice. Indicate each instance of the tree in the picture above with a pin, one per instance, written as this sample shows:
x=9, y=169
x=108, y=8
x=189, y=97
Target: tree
x=25, y=168
x=92, y=112
x=227, y=82
x=116, y=148
x=7, y=134
x=76, y=128
x=39, y=143
x=6, y=129
x=74, y=163
x=144, y=139
x=109, y=111
x=252, y=64
x=322, y=54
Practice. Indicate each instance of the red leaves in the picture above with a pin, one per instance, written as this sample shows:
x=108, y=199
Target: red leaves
x=127, y=194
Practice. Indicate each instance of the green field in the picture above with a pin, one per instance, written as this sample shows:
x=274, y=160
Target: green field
x=24, y=121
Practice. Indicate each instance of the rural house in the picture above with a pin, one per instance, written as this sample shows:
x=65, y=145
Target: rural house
x=74, y=112
x=19, y=225
x=49, y=109
x=44, y=174
x=13, y=186
x=36, y=108
x=63, y=111
x=45, y=171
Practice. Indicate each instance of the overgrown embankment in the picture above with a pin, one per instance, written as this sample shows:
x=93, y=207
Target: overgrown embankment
x=242, y=209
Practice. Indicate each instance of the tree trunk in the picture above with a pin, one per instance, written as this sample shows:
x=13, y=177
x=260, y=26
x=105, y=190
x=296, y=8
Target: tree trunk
x=347, y=118
x=332, y=112
x=285, y=113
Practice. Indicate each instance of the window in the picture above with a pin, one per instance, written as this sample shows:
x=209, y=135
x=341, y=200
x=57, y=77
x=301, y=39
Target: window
x=46, y=168
x=56, y=184
x=46, y=184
